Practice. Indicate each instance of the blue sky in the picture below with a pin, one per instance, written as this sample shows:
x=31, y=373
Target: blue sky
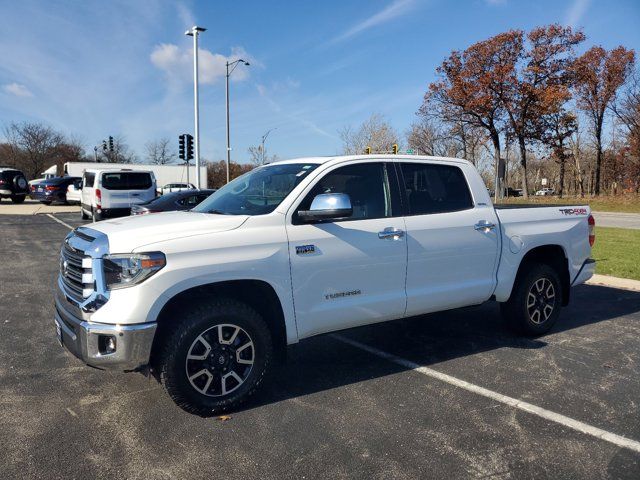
x=95, y=68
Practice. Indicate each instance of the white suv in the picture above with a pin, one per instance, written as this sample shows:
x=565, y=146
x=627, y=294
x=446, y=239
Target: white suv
x=112, y=192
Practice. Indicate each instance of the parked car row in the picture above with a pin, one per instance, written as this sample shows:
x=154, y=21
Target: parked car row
x=103, y=193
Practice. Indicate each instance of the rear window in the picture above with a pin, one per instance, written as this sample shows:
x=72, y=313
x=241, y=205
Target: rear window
x=8, y=174
x=126, y=181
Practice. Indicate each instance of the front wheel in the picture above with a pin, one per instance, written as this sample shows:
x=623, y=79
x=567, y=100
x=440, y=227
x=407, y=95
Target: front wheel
x=535, y=302
x=216, y=357
x=18, y=198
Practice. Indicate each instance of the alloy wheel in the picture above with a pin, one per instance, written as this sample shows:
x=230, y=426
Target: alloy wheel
x=219, y=360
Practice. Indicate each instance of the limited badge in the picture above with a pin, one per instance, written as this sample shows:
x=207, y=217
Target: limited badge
x=305, y=249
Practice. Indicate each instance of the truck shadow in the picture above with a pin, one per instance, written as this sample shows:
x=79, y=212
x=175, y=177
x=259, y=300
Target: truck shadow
x=323, y=363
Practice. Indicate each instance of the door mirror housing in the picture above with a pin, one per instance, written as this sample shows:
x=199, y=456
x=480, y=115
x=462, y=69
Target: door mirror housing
x=328, y=206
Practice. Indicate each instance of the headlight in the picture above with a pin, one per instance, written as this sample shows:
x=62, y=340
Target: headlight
x=121, y=271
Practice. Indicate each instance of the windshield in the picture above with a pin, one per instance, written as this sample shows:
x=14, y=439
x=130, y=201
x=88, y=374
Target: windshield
x=257, y=192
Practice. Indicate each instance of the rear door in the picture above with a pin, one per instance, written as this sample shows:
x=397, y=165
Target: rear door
x=125, y=188
x=452, y=242
x=86, y=195
x=350, y=272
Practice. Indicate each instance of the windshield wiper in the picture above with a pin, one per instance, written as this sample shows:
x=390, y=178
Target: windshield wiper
x=217, y=212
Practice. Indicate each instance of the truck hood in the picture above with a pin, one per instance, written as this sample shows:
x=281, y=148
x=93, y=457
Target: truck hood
x=127, y=233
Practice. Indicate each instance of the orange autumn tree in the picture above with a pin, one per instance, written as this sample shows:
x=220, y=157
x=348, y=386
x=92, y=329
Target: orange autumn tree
x=598, y=76
x=540, y=88
x=509, y=81
x=469, y=86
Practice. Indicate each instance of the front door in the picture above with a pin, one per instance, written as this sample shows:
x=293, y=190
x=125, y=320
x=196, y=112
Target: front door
x=350, y=272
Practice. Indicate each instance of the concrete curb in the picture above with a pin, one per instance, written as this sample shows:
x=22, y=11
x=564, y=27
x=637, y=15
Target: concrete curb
x=615, y=282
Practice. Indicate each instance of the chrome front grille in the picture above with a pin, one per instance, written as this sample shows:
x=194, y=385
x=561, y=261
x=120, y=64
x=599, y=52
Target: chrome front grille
x=76, y=273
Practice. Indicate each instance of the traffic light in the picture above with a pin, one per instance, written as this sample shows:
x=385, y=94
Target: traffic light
x=181, y=154
x=110, y=143
x=367, y=150
x=189, y=147
x=104, y=145
x=394, y=148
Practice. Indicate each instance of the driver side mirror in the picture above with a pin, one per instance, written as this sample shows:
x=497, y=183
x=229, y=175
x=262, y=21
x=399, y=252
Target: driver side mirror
x=328, y=206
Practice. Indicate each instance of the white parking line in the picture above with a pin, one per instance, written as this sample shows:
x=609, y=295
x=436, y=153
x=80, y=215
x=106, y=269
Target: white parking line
x=582, y=427
x=60, y=221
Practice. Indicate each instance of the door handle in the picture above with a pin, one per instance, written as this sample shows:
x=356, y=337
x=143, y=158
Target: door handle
x=390, y=232
x=484, y=225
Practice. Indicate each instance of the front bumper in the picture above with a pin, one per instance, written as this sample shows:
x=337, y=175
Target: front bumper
x=86, y=340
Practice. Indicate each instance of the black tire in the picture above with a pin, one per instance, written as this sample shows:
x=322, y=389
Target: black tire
x=95, y=216
x=83, y=215
x=18, y=198
x=537, y=288
x=201, y=321
x=46, y=202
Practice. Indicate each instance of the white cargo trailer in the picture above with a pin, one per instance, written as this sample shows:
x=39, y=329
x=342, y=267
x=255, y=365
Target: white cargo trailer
x=164, y=173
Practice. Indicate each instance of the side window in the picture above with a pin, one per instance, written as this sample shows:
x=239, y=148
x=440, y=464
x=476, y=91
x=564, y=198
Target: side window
x=367, y=185
x=435, y=188
x=88, y=179
x=193, y=200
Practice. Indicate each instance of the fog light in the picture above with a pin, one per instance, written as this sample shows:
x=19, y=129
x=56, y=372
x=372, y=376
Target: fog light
x=106, y=344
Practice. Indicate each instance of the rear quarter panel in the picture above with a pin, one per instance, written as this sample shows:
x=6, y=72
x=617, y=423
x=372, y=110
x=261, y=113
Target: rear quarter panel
x=524, y=229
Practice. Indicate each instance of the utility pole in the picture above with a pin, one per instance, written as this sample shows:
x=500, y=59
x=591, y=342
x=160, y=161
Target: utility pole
x=194, y=32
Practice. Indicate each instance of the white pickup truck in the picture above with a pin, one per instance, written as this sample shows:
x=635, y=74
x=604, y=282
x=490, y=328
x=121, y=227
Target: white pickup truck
x=207, y=299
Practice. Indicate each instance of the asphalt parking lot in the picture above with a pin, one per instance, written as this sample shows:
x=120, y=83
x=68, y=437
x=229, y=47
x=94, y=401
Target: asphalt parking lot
x=334, y=410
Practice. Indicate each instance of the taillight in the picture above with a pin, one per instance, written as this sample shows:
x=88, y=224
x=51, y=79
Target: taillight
x=51, y=188
x=592, y=230
x=98, y=197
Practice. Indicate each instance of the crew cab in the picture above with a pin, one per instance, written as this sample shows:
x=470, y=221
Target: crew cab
x=207, y=299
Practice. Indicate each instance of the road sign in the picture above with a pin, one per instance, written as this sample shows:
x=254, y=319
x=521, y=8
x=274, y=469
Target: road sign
x=410, y=151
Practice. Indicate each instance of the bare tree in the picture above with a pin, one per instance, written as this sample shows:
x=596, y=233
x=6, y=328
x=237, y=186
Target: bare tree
x=33, y=145
x=259, y=156
x=375, y=132
x=159, y=152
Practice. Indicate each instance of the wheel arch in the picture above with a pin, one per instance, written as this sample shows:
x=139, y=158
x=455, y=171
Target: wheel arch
x=258, y=294
x=553, y=255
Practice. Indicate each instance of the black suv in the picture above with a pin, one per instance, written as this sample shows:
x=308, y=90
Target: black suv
x=13, y=184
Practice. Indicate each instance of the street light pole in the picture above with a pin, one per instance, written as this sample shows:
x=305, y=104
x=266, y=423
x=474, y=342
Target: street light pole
x=194, y=32
x=233, y=66
x=264, y=137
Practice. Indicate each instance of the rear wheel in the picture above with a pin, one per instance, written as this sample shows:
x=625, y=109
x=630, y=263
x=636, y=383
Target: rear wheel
x=535, y=302
x=216, y=357
x=18, y=198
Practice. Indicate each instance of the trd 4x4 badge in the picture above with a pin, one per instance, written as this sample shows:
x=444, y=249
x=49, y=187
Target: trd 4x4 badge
x=574, y=211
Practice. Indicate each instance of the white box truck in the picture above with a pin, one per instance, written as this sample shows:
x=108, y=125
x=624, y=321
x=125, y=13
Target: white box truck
x=164, y=174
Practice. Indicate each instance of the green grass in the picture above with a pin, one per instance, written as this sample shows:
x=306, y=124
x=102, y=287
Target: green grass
x=617, y=252
x=629, y=203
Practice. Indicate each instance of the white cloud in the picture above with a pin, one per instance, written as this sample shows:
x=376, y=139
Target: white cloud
x=177, y=63
x=393, y=10
x=575, y=12
x=17, y=89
